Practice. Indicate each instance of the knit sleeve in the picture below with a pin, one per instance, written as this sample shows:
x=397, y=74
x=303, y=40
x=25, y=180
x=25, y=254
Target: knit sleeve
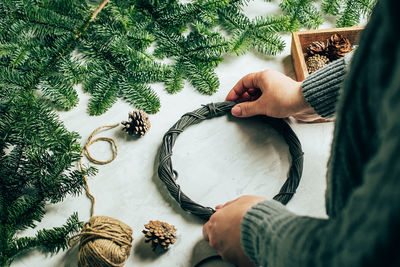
x=364, y=233
x=321, y=88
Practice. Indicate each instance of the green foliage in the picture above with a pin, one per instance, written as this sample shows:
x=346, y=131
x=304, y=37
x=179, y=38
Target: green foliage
x=349, y=12
x=38, y=39
x=195, y=55
x=51, y=45
x=260, y=34
x=302, y=13
x=36, y=159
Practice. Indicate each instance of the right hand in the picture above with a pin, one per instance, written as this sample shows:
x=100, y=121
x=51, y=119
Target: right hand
x=270, y=93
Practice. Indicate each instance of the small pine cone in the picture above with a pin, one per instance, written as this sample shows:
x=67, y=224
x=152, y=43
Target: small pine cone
x=137, y=124
x=316, y=62
x=338, y=46
x=159, y=234
x=317, y=48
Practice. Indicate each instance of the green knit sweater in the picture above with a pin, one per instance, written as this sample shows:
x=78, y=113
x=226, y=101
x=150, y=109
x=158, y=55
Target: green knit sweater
x=363, y=178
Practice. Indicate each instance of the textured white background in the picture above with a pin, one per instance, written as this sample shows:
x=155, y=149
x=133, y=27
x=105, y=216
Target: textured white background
x=218, y=160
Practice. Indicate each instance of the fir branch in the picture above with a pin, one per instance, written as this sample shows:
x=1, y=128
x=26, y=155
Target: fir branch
x=36, y=167
x=141, y=96
x=38, y=37
x=348, y=12
x=331, y=7
x=57, y=35
x=195, y=55
x=201, y=76
x=24, y=212
x=366, y=6
x=259, y=34
x=49, y=240
x=174, y=82
x=301, y=13
x=119, y=59
x=104, y=96
x=350, y=15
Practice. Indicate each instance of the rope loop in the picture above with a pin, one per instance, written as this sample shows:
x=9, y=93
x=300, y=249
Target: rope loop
x=85, y=151
x=168, y=175
x=212, y=109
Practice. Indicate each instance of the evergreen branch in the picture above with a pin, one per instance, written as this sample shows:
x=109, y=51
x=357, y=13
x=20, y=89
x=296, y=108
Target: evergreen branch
x=58, y=90
x=24, y=212
x=121, y=61
x=201, y=77
x=141, y=96
x=38, y=38
x=104, y=96
x=49, y=240
x=272, y=24
x=174, y=82
x=350, y=15
x=37, y=155
x=331, y=7
x=302, y=13
x=348, y=12
x=366, y=6
x=98, y=10
x=259, y=34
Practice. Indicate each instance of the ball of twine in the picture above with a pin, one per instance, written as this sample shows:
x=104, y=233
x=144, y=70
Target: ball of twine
x=168, y=175
x=104, y=242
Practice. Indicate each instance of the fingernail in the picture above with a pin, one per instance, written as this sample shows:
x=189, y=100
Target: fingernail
x=236, y=111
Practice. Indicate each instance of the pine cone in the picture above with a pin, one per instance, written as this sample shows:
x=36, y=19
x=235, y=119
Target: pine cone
x=338, y=46
x=317, y=48
x=159, y=234
x=316, y=62
x=137, y=124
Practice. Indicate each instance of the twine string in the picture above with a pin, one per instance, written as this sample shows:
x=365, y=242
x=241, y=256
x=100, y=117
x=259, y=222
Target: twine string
x=85, y=152
x=103, y=241
x=168, y=175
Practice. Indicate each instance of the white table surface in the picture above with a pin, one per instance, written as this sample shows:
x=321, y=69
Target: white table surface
x=218, y=160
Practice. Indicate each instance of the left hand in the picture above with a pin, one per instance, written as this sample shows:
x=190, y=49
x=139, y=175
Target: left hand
x=223, y=229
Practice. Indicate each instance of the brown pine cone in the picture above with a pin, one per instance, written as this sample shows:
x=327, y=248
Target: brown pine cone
x=317, y=48
x=338, y=46
x=159, y=234
x=137, y=124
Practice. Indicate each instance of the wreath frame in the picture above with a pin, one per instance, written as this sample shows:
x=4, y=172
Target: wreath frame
x=168, y=175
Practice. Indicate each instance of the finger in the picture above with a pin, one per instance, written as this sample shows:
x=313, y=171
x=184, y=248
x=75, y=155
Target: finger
x=205, y=231
x=250, y=95
x=245, y=97
x=255, y=93
x=247, y=82
x=247, y=109
x=218, y=206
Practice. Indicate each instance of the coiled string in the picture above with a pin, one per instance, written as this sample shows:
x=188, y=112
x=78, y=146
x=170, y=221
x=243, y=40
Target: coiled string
x=169, y=176
x=103, y=241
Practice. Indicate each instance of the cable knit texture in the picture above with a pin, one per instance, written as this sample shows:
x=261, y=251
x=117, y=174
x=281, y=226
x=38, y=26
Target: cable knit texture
x=363, y=178
x=321, y=88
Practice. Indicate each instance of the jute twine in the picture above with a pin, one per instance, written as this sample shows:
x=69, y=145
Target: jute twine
x=103, y=241
x=168, y=175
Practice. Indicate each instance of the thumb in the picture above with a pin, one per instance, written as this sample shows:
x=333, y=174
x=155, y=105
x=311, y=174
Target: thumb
x=246, y=109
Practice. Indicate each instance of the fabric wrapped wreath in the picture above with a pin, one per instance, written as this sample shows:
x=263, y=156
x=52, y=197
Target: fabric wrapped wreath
x=169, y=176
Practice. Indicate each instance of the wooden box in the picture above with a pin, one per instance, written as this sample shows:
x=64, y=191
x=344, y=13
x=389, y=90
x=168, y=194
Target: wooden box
x=301, y=39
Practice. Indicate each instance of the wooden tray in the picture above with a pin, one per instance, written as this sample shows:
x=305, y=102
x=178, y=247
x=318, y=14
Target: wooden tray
x=301, y=39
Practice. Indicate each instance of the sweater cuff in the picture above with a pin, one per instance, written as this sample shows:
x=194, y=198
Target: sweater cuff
x=262, y=227
x=321, y=88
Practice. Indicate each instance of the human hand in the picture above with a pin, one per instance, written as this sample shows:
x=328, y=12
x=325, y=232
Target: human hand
x=222, y=231
x=270, y=93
